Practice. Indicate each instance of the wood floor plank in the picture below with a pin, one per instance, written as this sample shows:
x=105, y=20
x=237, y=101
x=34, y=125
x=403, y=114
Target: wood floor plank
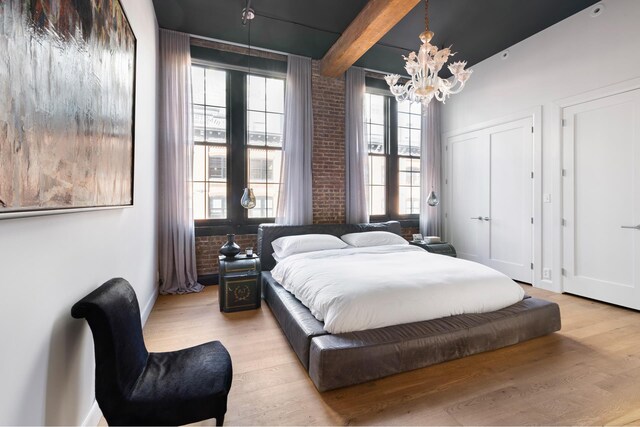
x=588, y=373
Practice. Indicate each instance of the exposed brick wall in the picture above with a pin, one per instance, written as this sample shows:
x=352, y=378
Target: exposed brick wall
x=328, y=148
x=328, y=167
x=408, y=231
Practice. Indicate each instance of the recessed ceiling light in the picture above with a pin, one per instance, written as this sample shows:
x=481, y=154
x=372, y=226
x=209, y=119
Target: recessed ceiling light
x=597, y=10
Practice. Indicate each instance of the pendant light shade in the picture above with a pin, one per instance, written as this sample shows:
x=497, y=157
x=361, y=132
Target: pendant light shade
x=433, y=200
x=248, y=200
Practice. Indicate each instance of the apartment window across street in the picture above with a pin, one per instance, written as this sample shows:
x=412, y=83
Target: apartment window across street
x=238, y=129
x=392, y=132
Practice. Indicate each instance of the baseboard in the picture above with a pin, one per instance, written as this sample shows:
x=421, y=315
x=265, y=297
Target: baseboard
x=208, y=279
x=548, y=285
x=93, y=417
x=149, y=306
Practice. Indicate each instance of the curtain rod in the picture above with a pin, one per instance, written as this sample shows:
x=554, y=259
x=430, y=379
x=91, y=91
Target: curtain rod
x=277, y=52
x=246, y=46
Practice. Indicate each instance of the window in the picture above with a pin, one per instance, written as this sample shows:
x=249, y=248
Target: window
x=374, y=131
x=409, y=121
x=265, y=119
x=238, y=130
x=392, y=132
x=210, y=143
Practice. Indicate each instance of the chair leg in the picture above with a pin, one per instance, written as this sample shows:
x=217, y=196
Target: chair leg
x=220, y=420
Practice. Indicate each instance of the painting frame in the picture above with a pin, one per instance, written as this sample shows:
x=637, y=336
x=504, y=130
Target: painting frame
x=124, y=176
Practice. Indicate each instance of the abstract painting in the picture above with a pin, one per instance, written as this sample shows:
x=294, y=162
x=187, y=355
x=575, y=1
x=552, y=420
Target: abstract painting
x=67, y=82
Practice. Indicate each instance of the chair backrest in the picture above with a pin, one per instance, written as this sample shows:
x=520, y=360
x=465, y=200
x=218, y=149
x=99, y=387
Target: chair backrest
x=113, y=314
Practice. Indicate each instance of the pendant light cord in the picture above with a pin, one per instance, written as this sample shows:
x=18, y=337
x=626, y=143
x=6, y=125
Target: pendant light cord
x=426, y=15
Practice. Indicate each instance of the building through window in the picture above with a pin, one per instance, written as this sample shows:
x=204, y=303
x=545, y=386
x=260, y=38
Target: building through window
x=228, y=158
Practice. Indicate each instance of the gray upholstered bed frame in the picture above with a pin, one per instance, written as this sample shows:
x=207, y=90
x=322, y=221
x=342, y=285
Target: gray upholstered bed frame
x=338, y=360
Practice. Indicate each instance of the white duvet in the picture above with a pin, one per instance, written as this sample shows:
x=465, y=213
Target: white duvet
x=363, y=288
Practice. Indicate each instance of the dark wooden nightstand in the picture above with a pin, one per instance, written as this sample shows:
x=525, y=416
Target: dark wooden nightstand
x=442, y=248
x=239, y=285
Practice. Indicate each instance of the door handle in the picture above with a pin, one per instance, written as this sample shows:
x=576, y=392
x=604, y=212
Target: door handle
x=636, y=227
x=477, y=217
x=486, y=218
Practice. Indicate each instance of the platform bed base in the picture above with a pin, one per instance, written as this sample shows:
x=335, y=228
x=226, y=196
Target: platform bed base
x=339, y=360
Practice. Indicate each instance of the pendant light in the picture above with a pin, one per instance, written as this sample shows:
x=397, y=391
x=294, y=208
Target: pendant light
x=248, y=200
x=432, y=200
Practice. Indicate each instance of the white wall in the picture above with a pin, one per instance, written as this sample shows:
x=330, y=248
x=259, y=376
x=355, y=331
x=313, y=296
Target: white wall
x=574, y=56
x=48, y=263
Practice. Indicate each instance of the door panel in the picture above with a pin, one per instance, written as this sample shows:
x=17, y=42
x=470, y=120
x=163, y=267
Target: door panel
x=601, y=194
x=511, y=199
x=468, y=194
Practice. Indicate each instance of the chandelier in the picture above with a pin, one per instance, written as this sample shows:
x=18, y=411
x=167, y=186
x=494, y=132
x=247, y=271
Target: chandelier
x=423, y=69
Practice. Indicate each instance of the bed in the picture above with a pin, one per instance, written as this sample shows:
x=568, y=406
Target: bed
x=335, y=360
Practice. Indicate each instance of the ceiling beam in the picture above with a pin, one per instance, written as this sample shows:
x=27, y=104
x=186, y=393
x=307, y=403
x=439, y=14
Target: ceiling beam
x=373, y=22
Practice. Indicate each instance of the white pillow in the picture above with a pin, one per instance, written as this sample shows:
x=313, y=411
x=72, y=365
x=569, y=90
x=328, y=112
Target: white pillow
x=373, y=238
x=291, y=245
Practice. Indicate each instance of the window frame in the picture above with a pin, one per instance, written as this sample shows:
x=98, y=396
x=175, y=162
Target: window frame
x=237, y=221
x=376, y=86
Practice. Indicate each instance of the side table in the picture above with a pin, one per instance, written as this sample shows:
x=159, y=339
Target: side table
x=239, y=285
x=442, y=248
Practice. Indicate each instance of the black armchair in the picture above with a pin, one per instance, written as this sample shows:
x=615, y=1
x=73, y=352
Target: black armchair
x=135, y=387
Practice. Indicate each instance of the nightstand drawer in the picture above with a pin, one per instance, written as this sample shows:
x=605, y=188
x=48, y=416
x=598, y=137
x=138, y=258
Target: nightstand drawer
x=240, y=294
x=239, y=265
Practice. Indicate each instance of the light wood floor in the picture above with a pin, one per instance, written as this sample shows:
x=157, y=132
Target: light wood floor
x=589, y=373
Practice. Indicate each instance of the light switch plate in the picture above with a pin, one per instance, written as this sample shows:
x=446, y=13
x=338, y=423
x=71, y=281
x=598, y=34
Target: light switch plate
x=546, y=198
x=546, y=273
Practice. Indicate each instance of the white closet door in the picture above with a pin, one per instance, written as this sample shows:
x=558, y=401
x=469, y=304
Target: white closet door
x=491, y=197
x=469, y=192
x=601, y=194
x=509, y=223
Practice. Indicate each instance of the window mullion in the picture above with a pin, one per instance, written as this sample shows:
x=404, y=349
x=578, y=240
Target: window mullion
x=392, y=168
x=237, y=162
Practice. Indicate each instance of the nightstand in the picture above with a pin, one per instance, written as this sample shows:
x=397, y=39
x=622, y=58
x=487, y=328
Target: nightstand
x=442, y=248
x=239, y=285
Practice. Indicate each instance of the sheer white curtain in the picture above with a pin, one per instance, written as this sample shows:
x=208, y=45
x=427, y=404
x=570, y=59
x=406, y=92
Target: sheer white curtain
x=176, y=252
x=430, y=170
x=356, y=152
x=295, y=199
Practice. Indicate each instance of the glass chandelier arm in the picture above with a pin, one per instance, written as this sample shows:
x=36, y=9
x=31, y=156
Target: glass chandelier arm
x=457, y=89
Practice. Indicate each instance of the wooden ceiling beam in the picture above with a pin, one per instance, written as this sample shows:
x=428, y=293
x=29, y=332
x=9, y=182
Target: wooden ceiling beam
x=373, y=22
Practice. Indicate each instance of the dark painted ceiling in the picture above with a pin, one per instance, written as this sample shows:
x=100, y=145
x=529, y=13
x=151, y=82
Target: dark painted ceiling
x=477, y=29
